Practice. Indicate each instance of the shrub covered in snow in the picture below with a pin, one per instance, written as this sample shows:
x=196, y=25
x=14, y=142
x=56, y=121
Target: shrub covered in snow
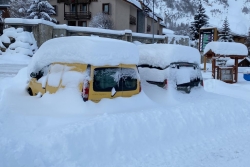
x=17, y=41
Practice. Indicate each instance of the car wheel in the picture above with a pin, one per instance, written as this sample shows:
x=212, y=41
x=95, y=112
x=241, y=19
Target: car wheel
x=188, y=90
x=30, y=91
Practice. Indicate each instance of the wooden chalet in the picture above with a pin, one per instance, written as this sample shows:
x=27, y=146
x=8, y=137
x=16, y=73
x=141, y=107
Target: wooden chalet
x=216, y=50
x=245, y=62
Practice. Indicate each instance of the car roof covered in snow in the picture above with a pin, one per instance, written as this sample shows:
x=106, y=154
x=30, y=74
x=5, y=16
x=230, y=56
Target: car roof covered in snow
x=162, y=55
x=226, y=48
x=87, y=50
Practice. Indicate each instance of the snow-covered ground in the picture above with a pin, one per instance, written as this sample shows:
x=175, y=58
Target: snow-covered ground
x=157, y=127
x=208, y=127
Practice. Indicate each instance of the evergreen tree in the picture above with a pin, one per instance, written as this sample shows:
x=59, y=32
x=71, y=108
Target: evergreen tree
x=225, y=34
x=19, y=8
x=200, y=20
x=41, y=9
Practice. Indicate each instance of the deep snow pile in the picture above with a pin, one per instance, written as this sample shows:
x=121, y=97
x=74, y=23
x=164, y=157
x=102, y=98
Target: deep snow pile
x=227, y=48
x=196, y=129
x=17, y=46
x=161, y=55
x=96, y=51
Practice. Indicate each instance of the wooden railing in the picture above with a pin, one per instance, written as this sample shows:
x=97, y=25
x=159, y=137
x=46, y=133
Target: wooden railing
x=132, y=20
x=74, y=1
x=77, y=15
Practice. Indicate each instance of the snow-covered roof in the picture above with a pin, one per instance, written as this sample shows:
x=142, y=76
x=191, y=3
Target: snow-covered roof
x=161, y=55
x=167, y=31
x=162, y=24
x=226, y=48
x=135, y=3
x=88, y=50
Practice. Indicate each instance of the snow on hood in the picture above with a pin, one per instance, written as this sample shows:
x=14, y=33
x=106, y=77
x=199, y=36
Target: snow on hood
x=161, y=55
x=226, y=48
x=88, y=50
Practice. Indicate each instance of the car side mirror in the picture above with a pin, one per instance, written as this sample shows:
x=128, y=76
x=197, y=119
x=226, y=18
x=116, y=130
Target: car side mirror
x=33, y=75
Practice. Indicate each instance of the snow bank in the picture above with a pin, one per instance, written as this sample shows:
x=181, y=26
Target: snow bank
x=61, y=130
x=247, y=71
x=227, y=48
x=88, y=50
x=161, y=55
x=18, y=41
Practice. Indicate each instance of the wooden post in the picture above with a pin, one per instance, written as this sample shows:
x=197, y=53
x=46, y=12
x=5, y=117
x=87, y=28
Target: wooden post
x=213, y=68
x=205, y=63
x=236, y=69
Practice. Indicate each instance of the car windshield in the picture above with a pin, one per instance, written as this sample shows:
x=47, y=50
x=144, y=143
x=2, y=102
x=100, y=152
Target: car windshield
x=122, y=79
x=183, y=72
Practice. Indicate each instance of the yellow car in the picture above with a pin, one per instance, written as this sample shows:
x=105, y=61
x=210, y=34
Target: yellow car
x=94, y=82
x=98, y=67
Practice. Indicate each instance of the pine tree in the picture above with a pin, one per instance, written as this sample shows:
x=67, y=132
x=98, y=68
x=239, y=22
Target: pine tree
x=41, y=9
x=225, y=34
x=200, y=20
x=18, y=8
x=101, y=20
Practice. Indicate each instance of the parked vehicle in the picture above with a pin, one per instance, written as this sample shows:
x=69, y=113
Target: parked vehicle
x=160, y=64
x=108, y=77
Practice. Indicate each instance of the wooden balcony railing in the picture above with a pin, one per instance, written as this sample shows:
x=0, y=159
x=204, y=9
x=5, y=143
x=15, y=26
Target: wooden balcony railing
x=77, y=15
x=76, y=1
x=132, y=20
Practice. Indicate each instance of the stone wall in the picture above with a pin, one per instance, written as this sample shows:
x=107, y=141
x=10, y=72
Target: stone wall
x=43, y=32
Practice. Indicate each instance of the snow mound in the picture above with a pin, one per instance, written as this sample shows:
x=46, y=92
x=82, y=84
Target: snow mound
x=161, y=55
x=18, y=41
x=227, y=48
x=88, y=50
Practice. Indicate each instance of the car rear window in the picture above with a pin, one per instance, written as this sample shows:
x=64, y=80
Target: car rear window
x=122, y=79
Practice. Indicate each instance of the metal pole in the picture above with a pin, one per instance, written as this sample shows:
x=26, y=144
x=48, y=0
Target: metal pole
x=153, y=21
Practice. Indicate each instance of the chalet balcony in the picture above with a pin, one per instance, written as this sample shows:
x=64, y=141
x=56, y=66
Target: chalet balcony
x=76, y=1
x=77, y=15
x=132, y=20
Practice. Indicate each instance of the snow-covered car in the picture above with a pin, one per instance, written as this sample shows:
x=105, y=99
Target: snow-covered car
x=160, y=64
x=97, y=67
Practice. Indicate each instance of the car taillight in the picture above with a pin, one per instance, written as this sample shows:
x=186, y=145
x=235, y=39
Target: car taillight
x=139, y=86
x=85, y=93
x=202, y=83
x=165, y=83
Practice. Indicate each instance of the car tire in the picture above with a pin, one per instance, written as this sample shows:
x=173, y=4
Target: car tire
x=188, y=90
x=30, y=91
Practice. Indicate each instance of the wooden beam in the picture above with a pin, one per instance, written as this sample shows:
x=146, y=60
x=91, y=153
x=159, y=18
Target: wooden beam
x=236, y=69
x=205, y=63
x=213, y=68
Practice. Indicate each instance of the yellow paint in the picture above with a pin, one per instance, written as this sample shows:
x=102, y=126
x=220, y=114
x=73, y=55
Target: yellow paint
x=93, y=95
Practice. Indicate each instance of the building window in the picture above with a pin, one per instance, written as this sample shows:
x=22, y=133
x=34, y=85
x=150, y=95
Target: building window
x=73, y=8
x=55, y=9
x=71, y=23
x=82, y=23
x=148, y=28
x=106, y=8
x=83, y=8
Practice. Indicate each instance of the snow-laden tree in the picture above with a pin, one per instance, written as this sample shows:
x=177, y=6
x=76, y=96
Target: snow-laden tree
x=19, y=8
x=102, y=20
x=200, y=20
x=225, y=33
x=41, y=9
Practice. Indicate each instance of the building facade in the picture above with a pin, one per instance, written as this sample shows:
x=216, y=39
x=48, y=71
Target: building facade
x=124, y=14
